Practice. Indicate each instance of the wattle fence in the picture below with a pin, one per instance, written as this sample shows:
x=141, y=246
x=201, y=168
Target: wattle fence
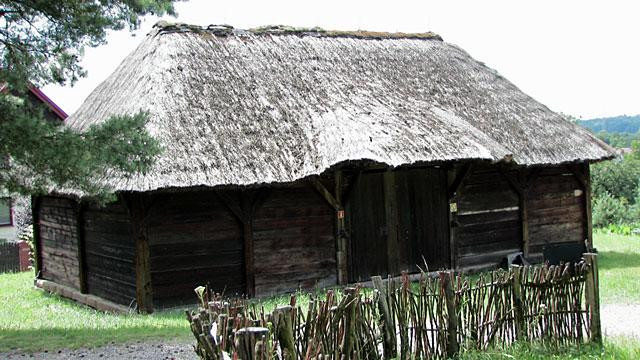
x=14, y=257
x=435, y=318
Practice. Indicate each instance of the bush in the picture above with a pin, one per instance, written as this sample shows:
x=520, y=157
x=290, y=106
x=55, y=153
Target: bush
x=610, y=210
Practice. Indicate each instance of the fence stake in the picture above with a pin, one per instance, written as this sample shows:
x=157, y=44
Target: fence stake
x=284, y=331
x=593, y=296
x=350, y=322
x=446, y=278
x=246, y=340
x=389, y=339
x=517, y=301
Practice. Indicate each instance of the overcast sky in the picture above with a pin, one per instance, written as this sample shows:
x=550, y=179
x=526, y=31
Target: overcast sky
x=578, y=57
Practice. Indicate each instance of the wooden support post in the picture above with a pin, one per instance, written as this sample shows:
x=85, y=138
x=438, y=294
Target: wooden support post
x=37, y=242
x=136, y=205
x=455, y=182
x=446, y=281
x=517, y=302
x=341, y=238
x=582, y=174
x=82, y=264
x=587, y=202
x=250, y=202
x=247, y=230
x=524, y=213
x=391, y=216
x=592, y=295
x=387, y=324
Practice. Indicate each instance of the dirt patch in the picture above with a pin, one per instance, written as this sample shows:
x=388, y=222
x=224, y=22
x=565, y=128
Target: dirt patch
x=139, y=350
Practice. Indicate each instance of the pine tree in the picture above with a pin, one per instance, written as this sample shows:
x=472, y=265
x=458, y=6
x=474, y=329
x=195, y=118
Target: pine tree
x=42, y=42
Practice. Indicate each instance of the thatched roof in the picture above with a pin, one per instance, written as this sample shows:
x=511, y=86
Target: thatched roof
x=278, y=104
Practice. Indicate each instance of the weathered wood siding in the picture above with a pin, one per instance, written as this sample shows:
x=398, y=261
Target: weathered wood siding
x=397, y=220
x=487, y=222
x=59, y=241
x=556, y=210
x=110, y=252
x=294, y=241
x=194, y=240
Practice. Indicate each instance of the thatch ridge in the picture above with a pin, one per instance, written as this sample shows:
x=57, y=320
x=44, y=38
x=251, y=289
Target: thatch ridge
x=235, y=107
x=228, y=30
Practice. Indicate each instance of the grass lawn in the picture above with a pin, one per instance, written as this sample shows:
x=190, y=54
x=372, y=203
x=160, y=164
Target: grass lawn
x=619, y=264
x=614, y=349
x=33, y=320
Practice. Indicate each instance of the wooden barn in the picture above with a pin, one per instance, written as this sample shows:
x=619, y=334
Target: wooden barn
x=309, y=158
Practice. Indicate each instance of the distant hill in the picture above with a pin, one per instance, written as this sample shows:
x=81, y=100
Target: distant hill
x=616, y=124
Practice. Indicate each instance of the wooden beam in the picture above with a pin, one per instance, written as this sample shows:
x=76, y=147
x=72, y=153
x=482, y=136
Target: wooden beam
x=531, y=178
x=82, y=264
x=459, y=180
x=135, y=203
x=232, y=204
x=315, y=181
x=259, y=200
x=37, y=242
x=391, y=216
x=247, y=231
x=515, y=184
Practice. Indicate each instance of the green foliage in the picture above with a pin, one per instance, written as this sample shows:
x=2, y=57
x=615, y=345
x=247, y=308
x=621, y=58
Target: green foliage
x=616, y=124
x=618, y=140
x=609, y=210
x=41, y=43
x=615, y=189
x=618, y=178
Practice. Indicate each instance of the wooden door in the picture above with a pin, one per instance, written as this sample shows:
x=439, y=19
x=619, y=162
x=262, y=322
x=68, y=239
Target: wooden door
x=368, y=235
x=423, y=225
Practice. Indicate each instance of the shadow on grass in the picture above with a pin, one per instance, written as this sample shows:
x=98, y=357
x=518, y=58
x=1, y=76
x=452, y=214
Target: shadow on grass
x=615, y=260
x=53, y=339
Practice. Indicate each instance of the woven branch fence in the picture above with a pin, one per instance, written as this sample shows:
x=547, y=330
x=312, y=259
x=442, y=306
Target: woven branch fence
x=435, y=318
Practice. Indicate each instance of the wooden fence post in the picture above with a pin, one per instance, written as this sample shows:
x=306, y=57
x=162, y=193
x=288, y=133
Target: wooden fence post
x=388, y=325
x=446, y=279
x=283, y=327
x=592, y=295
x=517, y=301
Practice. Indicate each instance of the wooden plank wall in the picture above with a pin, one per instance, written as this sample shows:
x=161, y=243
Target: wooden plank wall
x=556, y=210
x=109, y=252
x=59, y=241
x=194, y=240
x=487, y=221
x=294, y=241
